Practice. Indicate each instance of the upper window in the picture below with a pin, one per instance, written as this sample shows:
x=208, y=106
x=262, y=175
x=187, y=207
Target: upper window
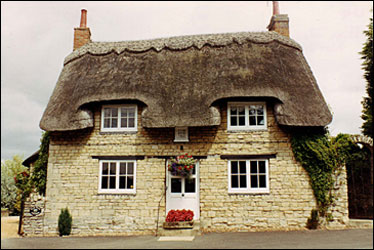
x=248, y=176
x=246, y=116
x=119, y=118
x=117, y=176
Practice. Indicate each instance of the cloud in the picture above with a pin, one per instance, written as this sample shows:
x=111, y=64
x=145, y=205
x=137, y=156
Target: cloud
x=20, y=133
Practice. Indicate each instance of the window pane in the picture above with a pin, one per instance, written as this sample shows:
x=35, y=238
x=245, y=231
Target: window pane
x=252, y=110
x=241, y=120
x=252, y=120
x=105, y=168
x=262, y=181
x=131, y=112
x=242, y=165
x=112, y=182
x=234, y=167
x=112, y=168
x=107, y=112
x=130, y=168
x=262, y=168
x=233, y=121
x=260, y=110
x=122, y=168
x=122, y=182
x=254, y=183
x=104, y=182
x=176, y=185
x=243, y=181
x=253, y=167
x=260, y=120
x=233, y=111
x=106, y=123
x=234, y=181
x=123, y=123
x=131, y=123
x=114, y=112
x=241, y=110
x=130, y=182
x=189, y=185
x=114, y=122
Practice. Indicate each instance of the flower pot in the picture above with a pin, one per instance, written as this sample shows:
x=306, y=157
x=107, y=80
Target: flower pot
x=178, y=225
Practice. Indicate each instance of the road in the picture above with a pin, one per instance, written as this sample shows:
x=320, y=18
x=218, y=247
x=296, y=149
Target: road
x=314, y=239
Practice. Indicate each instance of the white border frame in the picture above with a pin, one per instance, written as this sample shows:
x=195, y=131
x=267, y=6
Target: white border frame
x=119, y=129
x=246, y=127
x=170, y=195
x=179, y=139
x=248, y=189
x=116, y=190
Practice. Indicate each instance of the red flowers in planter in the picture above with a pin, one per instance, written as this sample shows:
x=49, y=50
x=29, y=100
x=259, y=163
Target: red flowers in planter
x=179, y=215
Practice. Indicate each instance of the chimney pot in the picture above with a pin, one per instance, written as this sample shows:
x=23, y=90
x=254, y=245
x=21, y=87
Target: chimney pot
x=276, y=8
x=83, y=19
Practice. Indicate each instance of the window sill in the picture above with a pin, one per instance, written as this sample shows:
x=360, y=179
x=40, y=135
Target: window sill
x=234, y=130
x=181, y=140
x=118, y=132
x=117, y=192
x=254, y=192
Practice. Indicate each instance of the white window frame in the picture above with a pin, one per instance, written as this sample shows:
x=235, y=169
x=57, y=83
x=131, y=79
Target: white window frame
x=245, y=127
x=180, y=138
x=118, y=128
x=117, y=190
x=249, y=189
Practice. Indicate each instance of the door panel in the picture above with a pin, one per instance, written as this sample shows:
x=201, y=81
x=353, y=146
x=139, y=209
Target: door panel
x=183, y=193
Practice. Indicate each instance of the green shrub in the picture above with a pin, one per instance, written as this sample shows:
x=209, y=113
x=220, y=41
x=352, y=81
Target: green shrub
x=313, y=221
x=64, y=222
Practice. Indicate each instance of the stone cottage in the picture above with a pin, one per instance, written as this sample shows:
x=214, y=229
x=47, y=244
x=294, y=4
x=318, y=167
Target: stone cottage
x=121, y=110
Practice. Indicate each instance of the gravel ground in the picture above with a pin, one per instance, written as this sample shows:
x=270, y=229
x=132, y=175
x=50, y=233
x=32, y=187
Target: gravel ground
x=9, y=227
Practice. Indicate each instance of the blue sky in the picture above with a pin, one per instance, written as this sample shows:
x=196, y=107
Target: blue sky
x=37, y=36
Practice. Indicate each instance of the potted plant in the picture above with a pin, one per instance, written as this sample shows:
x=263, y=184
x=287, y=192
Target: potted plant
x=182, y=165
x=178, y=219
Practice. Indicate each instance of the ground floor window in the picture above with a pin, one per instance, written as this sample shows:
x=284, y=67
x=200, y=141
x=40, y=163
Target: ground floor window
x=248, y=176
x=117, y=176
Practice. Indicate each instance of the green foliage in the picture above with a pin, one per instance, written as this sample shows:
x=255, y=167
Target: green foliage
x=323, y=158
x=10, y=197
x=24, y=184
x=39, y=175
x=65, y=221
x=367, y=103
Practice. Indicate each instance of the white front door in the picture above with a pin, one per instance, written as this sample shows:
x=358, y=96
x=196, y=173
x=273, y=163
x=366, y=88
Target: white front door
x=183, y=193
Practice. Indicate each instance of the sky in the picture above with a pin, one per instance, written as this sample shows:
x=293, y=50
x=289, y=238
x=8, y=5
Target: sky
x=37, y=36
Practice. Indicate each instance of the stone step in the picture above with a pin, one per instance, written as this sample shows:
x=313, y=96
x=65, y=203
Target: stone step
x=169, y=231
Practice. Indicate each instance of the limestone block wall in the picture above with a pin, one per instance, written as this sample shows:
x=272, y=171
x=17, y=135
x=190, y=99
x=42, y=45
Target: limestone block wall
x=33, y=215
x=73, y=177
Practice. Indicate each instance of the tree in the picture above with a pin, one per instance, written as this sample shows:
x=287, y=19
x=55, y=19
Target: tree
x=367, y=103
x=10, y=198
x=39, y=175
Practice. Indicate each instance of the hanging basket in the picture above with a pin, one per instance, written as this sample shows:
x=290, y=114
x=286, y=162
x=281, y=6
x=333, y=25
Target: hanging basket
x=182, y=165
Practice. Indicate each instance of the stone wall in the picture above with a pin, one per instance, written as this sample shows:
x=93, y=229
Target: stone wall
x=73, y=177
x=33, y=215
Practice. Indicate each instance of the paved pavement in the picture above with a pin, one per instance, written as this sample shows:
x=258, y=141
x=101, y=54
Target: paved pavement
x=314, y=239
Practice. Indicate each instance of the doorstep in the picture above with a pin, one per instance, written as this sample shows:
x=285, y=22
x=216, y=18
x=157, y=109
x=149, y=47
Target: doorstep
x=183, y=229
x=360, y=223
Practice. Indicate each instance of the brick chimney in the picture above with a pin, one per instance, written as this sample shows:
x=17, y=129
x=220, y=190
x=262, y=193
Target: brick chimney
x=279, y=22
x=82, y=35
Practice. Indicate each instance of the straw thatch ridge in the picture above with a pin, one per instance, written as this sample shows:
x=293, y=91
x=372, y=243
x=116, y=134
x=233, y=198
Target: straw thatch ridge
x=180, y=43
x=180, y=78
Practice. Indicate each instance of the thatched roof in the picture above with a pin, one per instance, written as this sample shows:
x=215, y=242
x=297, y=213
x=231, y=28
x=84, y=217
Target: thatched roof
x=179, y=78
